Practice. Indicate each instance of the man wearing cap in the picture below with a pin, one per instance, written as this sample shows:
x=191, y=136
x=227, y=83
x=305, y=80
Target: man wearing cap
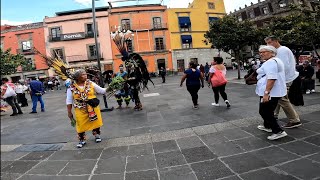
x=288, y=59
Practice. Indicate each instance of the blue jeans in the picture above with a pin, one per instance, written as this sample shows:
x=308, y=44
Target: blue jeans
x=35, y=100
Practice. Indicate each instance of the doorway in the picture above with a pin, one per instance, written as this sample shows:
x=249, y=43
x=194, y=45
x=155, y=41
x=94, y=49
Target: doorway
x=161, y=63
x=180, y=65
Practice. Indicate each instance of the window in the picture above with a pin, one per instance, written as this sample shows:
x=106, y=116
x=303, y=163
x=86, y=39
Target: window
x=186, y=45
x=125, y=24
x=58, y=53
x=55, y=32
x=30, y=61
x=184, y=23
x=89, y=28
x=240, y=18
x=129, y=46
x=159, y=44
x=92, y=51
x=26, y=46
x=251, y=14
x=265, y=10
x=157, y=23
x=211, y=5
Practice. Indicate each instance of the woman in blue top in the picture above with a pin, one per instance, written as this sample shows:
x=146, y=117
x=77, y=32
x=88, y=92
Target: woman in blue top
x=194, y=81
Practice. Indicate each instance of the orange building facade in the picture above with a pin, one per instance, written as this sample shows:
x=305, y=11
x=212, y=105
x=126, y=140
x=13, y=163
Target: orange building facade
x=22, y=39
x=151, y=38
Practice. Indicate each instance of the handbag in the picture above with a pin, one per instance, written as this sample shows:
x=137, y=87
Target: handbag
x=94, y=102
x=251, y=77
x=9, y=92
x=218, y=79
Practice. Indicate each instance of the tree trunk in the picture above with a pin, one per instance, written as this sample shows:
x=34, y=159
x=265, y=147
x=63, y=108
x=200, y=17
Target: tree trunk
x=237, y=54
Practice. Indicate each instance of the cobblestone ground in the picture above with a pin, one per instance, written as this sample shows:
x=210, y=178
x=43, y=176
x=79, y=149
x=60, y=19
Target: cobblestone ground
x=167, y=141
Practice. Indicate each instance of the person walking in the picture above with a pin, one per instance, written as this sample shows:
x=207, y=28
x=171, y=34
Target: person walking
x=218, y=81
x=9, y=95
x=21, y=89
x=36, y=92
x=271, y=87
x=50, y=84
x=194, y=81
x=206, y=71
x=57, y=84
x=288, y=59
x=82, y=96
x=163, y=74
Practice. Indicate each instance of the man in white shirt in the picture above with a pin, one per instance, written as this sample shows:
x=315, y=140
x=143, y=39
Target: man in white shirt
x=288, y=59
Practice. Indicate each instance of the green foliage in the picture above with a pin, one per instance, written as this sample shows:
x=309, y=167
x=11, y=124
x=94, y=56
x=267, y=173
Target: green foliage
x=230, y=34
x=299, y=29
x=10, y=62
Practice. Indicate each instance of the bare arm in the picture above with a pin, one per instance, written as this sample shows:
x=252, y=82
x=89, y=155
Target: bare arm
x=270, y=84
x=69, y=109
x=183, y=79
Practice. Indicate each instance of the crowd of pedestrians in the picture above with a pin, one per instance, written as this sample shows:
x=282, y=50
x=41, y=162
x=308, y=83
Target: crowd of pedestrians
x=277, y=78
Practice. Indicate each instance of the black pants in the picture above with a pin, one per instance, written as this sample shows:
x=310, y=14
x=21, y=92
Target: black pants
x=221, y=90
x=193, y=90
x=266, y=110
x=22, y=99
x=12, y=101
x=135, y=96
x=163, y=78
x=82, y=136
x=307, y=84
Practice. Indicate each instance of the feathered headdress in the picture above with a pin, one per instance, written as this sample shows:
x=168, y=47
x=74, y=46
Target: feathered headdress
x=61, y=68
x=121, y=38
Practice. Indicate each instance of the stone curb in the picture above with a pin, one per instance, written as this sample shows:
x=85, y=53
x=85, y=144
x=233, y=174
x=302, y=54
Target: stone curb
x=173, y=135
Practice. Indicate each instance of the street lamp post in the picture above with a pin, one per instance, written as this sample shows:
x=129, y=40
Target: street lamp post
x=98, y=56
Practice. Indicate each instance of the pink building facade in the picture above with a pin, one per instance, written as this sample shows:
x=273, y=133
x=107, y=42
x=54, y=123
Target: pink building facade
x=69, y=35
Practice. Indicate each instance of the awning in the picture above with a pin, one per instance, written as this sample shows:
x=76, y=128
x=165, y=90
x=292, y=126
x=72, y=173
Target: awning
x=213, y=19
x=186, y=38
x=184, y=21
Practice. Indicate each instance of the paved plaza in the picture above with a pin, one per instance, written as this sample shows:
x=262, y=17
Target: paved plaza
x=168, y=140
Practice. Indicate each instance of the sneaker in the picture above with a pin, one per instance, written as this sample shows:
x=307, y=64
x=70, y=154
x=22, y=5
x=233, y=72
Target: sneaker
x=228, y=103
x=277, y=136
x=195, y=107
x=214, y=104
x=33, y=112
x=119, y=107
x=20, y=112
x=14, y=114
x=308, y=91
x=291, y=125
x=262, y=128
x=98, y=139
x=42, y=110
x=81, y=144
x=313, y=91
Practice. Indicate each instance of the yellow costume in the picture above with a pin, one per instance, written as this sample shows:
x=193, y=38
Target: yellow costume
x=83, y=122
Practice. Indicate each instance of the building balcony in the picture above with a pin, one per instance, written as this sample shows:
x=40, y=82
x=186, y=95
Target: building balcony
x=142, y=27
x=25, y=51
x=71, y=36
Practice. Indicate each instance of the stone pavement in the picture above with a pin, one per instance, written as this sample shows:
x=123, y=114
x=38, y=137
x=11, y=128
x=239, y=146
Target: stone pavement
x=167, y=140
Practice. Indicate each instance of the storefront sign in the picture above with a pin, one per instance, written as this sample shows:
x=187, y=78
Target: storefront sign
x=71, y=36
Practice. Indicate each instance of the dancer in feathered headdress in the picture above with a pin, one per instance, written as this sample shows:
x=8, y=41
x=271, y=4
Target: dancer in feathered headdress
x=138, y=75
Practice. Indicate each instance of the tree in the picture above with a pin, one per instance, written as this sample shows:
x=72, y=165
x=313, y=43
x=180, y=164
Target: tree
x=10, y=62
x=299, y=30
x=229, y=34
